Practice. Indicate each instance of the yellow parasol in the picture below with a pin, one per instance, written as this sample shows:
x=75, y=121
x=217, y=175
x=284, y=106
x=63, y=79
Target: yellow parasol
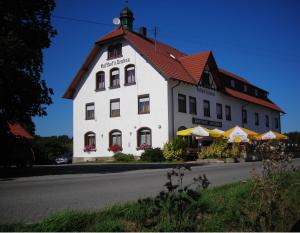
x=244, y=134
x=272, y=135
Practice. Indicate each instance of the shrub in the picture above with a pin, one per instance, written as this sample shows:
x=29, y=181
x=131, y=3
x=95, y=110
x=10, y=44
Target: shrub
x=175, y=149
x=121, y=157
x=152, y=155
x=220, y=150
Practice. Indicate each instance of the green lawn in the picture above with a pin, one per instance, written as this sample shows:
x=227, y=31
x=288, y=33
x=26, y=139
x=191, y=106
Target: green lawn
x=222, y=209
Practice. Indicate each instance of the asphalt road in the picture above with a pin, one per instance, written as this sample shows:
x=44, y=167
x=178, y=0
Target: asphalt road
x=32, y=198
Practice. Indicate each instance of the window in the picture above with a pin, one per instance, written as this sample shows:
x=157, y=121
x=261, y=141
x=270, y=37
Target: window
x=90, y=140
x=115, y=137
x=206, y=108
x=114, y=51
x=129, y=74
x=232, y=83
x=267, y=121
x=256, y=116
x=245, y=88
x=114, y=78
x=244, y=116
x=114, y=107
x=255, y=92
x=219, y=111
x=228, y=112
x=193, y=105
x=143, y=104
x=144, y=136
x=181, y=103
x=90, y=111
x=276, y=123
x=100, y=81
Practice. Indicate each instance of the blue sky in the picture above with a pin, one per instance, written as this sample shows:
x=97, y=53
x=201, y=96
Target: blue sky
x=256, y=39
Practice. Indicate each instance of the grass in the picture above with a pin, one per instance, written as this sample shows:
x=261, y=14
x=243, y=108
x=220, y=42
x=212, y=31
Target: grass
x=222, y=209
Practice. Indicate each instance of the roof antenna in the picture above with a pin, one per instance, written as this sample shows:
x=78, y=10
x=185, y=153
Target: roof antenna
x=155, y=34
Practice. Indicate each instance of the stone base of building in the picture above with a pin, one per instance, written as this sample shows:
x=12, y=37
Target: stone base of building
x=92, y=159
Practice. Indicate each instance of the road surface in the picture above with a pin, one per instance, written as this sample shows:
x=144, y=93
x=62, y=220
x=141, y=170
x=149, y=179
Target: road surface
x=32, y=198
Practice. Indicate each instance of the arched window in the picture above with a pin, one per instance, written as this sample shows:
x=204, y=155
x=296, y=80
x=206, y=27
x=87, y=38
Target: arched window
x=114, y=78
x=90, y=140
x=115, y=137
x=144, y=137
x=100, y=80
x=129, y=74
x=181, y=128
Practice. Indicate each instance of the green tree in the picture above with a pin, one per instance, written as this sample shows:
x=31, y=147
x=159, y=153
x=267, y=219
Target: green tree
x=24, y=32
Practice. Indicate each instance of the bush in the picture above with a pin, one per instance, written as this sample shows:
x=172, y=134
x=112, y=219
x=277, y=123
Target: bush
x=121, y=157
x=175, y=149
x=153, y=155
x=219, y=150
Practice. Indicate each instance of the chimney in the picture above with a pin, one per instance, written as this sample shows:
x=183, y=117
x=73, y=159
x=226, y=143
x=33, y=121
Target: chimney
x=143, y=31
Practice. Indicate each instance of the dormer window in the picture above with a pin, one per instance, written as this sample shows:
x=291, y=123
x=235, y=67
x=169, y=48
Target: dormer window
x=255, y=92
x=245, y=88
x=232, y=83
x=114, y=51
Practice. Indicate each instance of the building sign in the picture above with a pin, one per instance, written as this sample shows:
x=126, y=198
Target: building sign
x=206, y=122
x=206, y=91
x=115, y=62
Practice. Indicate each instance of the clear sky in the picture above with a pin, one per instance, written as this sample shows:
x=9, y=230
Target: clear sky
x=256, y=39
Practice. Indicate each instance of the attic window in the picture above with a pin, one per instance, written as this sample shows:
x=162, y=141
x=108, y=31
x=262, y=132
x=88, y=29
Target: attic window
x=172, y=56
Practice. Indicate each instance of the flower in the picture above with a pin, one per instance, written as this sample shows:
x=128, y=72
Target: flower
x=89, y=148
x=115, y=148
x=145, y=146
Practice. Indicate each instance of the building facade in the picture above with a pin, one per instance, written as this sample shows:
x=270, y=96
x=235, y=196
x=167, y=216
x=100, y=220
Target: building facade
x=134, y=91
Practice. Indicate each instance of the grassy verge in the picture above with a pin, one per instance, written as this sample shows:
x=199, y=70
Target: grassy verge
x=222, y=209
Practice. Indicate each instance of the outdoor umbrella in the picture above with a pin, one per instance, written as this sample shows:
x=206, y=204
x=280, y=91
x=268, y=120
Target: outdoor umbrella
x=272, y=135
x=244, y=134
x=198, y=131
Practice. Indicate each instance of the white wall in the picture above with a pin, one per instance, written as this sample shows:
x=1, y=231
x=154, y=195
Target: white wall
x=148, y=81
x=185, y=119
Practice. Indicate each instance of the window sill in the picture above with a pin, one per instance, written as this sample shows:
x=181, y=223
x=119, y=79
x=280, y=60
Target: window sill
x=115, y=116
x=111, y=58
x=143, y=113
x=129, y=84
x=139, y=148
x=114, y=87
x=181, y=112
x=100, y=89
x=88, y=119
x=88, y=151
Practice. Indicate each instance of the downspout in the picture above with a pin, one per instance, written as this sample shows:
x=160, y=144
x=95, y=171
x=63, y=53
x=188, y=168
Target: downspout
x=172, y=105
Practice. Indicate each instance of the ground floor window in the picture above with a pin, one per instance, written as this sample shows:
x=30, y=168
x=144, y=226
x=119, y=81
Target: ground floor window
x=89, y=141
x=144, y=137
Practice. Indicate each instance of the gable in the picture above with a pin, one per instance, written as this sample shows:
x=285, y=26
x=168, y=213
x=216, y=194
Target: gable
x=207, y=80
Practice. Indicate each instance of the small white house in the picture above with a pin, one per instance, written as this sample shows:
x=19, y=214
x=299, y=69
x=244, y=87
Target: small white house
x=133, y=90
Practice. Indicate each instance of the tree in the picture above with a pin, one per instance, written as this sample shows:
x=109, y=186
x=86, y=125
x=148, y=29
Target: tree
x=25, y=31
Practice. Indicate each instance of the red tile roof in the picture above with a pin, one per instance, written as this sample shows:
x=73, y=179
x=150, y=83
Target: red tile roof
x=168, y=61
x=252, y=99
x=17, y=130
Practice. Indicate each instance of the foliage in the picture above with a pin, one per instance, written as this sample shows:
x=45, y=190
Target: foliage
x=271, y=190
x=47, y=148
x=175, y=149
x=25, y=31
x=152, y=155
x=121, y=157
x=177, y=208
x=219, y=150
x=294, y=137
x=115, y=148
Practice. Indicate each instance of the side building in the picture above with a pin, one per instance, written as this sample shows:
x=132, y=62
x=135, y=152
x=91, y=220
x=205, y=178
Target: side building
x=133, y=90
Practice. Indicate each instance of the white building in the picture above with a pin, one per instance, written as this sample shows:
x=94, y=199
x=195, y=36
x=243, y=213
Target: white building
x=133, y=90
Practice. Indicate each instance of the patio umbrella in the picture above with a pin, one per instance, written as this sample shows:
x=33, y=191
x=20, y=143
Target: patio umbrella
x=217, y=133
x=244, y=134
x=198, y=131
x=273, y=135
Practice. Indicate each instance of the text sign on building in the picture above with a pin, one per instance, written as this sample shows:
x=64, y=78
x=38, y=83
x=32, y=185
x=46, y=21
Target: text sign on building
x=206, y=122
x=206, y=91
x=115, y=62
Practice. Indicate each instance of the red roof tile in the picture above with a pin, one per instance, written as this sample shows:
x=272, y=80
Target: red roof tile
x=17, y=130
x=252, y=99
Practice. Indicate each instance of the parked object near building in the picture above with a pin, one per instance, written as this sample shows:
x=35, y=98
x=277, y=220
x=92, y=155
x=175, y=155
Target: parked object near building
x=133, y=90
x=64, y=158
